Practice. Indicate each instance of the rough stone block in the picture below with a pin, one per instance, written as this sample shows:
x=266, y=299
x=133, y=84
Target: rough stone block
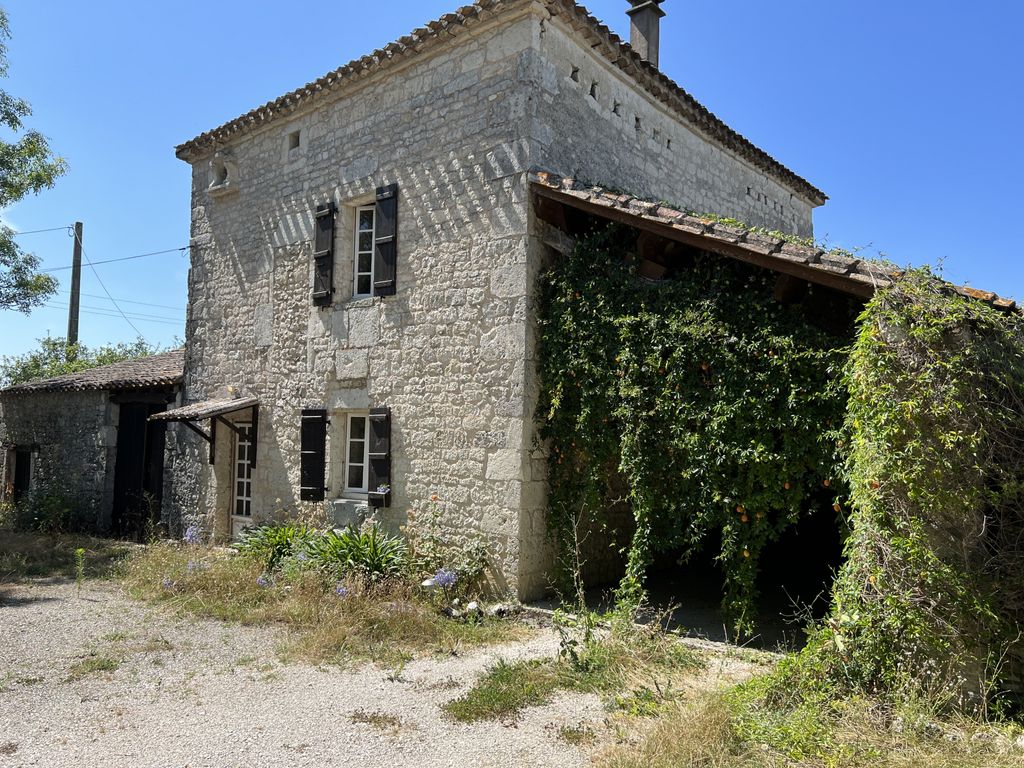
x=363, y=325
x=352, y=364
x=504, y=342
x=505, y=464
x=509, y=282
x=263, y=325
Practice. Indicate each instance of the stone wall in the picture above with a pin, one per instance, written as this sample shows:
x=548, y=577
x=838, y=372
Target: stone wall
x=77, y=437
x=590, y=121
x=446, y=354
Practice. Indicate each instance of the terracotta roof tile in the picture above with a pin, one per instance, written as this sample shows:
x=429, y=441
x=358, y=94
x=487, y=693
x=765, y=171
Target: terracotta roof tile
x=838, y=269
x=164, y=369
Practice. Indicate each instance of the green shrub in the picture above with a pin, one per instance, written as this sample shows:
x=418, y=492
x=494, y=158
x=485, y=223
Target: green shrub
x=432, y=550
x=46, y=511
x=270, y=544
x=370, y=553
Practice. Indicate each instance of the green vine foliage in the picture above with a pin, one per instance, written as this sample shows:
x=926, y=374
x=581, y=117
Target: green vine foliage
x=717, y=408
x=930, y=597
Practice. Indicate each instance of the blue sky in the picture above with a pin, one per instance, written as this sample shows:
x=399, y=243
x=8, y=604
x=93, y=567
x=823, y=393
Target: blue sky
x=907, y=114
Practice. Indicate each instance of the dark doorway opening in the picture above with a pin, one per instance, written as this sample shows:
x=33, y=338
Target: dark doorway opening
x=138, y=470
x=795, y=583
x=22, y=480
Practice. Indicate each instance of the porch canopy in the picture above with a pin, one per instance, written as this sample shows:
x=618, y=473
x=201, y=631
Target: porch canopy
x=215, y=411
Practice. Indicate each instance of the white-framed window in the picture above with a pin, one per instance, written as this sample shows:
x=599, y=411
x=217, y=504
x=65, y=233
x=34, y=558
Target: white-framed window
x=357, y=452
x=242, y=503
x=365, y=225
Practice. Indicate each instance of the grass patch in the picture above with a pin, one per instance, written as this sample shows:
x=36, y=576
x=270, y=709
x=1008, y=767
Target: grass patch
x=581, y=735
x=35, y=555
x=717, y=730
x=505, y=690
x=387, y=622
x=383, y=721
x=91, y=665
x=637, y=670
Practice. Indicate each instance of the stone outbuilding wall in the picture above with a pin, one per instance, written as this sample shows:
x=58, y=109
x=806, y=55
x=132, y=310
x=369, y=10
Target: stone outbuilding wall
x=72, y=437
x=82, y=442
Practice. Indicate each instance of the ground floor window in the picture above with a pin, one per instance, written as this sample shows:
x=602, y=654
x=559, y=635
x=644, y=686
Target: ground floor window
x=357, y=453
x=243, y=471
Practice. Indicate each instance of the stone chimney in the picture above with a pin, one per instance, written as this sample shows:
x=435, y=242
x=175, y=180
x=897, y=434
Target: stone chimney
x=645, y=24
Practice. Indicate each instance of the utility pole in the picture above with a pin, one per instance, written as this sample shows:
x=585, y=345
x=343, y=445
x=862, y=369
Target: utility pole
x=76, y=287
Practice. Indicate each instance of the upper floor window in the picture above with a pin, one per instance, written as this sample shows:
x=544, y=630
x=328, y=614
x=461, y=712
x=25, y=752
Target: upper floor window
x=365, y=233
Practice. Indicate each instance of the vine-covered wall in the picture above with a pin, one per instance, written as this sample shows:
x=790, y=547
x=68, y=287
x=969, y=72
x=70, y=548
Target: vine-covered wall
x=716, y=407
x=929, y=599
x=722, y=416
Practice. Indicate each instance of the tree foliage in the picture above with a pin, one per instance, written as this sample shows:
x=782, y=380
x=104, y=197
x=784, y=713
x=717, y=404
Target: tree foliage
x=56, y=357
x=718, y=407
x=27, y=166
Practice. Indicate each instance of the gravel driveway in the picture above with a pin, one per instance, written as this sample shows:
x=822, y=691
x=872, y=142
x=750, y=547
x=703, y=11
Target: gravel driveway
x=97, y=679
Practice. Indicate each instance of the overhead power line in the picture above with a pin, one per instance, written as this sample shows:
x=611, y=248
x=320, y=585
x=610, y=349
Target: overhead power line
x=123, y=258
x=37, y=231
x=104, y=287
x=178, y=308
x=112, y=313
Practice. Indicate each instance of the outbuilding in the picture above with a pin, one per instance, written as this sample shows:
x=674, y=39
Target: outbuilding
x=81, y=446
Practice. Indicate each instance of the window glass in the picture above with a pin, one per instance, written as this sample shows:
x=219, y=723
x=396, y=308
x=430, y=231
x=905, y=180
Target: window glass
x=243, y=471
x=356, y=453
x=364, y=251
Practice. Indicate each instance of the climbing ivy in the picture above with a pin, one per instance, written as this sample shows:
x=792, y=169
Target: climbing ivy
x=717, y=408
x=930, y=597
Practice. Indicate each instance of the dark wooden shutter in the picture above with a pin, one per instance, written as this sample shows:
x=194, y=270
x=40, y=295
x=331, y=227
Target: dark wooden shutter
x=313, y=448
x=323, y=255
x=385, y=247
x=379, y=480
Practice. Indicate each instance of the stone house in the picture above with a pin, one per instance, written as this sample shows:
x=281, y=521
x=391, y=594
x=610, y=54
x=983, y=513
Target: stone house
x=86, y=439
x=361, y=324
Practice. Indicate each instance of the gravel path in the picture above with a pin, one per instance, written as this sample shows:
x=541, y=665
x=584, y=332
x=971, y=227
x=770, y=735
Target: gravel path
x=183, y=692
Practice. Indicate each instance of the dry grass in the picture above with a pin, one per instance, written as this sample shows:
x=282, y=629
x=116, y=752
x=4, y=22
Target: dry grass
x=706, y=733
x=384, y=622
x=36, y=555
x=637, y=670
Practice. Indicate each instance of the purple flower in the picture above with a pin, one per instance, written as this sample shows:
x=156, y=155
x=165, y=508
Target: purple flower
x=341, y=590
x=302, y=557
x=264, y=581
x=445, y=578
x=167, y=584
x=192, y=534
